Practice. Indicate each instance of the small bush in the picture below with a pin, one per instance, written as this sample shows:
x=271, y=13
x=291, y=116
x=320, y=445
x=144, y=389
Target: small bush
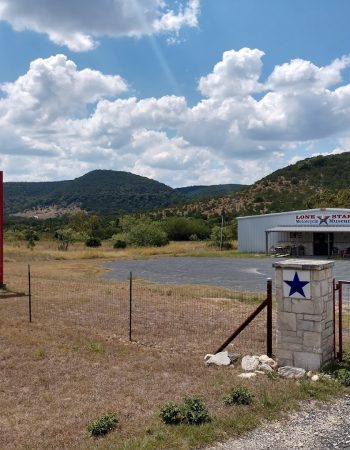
x=194, y=411
x=343, y=376
x=102, y=424
x=170, y=413
x=238, y=396
x=93, y=242
x=119, y=244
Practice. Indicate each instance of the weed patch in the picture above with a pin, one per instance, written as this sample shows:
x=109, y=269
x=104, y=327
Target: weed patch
x=192, y=411
x=96, y=347
x=102, y=425
x=238, y=396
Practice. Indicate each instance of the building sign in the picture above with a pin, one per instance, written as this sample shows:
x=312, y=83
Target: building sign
x=296, y=284
x=319, y=219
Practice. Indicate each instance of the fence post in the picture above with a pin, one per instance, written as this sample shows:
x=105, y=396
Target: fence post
x=269, y=317
x=29, y=294
x=130, y=307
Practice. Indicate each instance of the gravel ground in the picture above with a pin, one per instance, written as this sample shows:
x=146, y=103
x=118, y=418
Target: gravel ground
x=314, y=428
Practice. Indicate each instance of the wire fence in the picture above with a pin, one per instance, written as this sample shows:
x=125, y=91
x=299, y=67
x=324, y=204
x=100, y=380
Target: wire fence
x=179, y=317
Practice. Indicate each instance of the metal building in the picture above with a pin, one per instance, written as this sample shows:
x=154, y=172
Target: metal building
x=312, y=232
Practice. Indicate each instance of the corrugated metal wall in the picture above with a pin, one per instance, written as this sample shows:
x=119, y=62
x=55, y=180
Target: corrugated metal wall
x=251, y=229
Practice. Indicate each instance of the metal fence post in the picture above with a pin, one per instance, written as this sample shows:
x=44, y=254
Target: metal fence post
x=29, y=294
x=269, y=318
x=130, y=307
x=340, y=318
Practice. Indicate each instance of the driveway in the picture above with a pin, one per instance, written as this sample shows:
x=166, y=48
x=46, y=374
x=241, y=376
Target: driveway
x=244, y=274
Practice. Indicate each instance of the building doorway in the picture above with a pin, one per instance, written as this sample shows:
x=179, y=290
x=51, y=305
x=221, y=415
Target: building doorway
x=321, y=244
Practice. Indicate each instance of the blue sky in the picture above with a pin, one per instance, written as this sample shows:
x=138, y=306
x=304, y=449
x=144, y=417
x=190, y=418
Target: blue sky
x=186, y=92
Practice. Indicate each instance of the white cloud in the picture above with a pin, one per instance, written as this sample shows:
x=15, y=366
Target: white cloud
x=53, y=88
x=75, y=24
x=300, y=75
x=57, y=116
x=235, y=76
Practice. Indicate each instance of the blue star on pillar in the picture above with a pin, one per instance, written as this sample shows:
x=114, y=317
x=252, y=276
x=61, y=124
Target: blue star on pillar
x=296, y=286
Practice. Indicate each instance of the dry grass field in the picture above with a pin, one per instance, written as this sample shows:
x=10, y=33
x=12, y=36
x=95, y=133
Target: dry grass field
x=74, y=361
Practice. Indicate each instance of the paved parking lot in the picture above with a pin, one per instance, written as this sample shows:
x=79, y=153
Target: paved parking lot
x=246, y=274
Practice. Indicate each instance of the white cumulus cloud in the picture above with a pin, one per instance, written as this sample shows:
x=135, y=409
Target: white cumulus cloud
x=77, y=23
x=58, y=121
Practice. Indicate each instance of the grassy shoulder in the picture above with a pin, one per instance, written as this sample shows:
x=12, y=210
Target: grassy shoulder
x=47, y=250
x=273, y=399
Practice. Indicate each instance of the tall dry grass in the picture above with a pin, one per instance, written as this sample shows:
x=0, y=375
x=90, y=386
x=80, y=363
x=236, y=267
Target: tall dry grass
x=47, y=250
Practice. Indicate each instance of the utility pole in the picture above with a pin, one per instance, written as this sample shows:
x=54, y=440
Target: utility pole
x=221, y=231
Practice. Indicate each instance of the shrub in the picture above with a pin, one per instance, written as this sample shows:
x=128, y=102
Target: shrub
x=182, y=228
x=147, y=234
x=191, y=411
x=238, y=396
x=170, y=413
x=194, y=411
x=93, y=242
x=102, y=424
x=119, y=244
x=343, y=376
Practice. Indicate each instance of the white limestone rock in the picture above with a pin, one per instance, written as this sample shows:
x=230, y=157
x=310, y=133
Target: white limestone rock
x=265, y=368
x=264, y=359
x=247, y=375
x=250, y=363
x=219, y=359
x=315, y=377
x=291, y=372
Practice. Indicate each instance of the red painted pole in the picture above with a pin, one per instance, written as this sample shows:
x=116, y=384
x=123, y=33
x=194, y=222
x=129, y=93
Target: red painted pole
x=1, y=230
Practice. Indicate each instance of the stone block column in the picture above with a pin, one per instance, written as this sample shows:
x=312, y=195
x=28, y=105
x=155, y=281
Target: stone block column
x=304, y=295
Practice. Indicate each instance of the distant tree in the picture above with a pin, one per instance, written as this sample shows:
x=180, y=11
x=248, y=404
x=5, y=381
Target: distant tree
x=31, y=236
x=227, y=236
x=66, y=236
x=182, y=228
x=146, y=234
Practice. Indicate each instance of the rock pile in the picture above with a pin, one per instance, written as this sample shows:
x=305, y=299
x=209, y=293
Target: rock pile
x=253, y=365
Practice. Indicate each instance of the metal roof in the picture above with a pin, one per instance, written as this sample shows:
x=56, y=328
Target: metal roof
x=299, y=211
x=311, y=229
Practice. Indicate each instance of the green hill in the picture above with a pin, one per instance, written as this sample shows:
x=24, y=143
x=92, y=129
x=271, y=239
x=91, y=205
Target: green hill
x=313, y=182
x=202, y=192
x=103, y=191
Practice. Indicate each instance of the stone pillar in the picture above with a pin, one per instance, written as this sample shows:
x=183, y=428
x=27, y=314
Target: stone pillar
x=304, y=295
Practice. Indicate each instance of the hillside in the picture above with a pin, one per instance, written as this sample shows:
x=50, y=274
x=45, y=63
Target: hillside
x=313, y=182
x=203, y=192
x=103, y=191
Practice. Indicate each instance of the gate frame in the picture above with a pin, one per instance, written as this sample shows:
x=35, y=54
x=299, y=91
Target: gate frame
x=338, y=286
x=267, y=303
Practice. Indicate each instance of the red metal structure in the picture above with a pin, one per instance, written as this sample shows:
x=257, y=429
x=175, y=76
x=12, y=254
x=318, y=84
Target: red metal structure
x=2, y=285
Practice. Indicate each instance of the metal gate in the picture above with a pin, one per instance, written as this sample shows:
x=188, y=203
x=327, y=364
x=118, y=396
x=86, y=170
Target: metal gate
x=341, y=313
